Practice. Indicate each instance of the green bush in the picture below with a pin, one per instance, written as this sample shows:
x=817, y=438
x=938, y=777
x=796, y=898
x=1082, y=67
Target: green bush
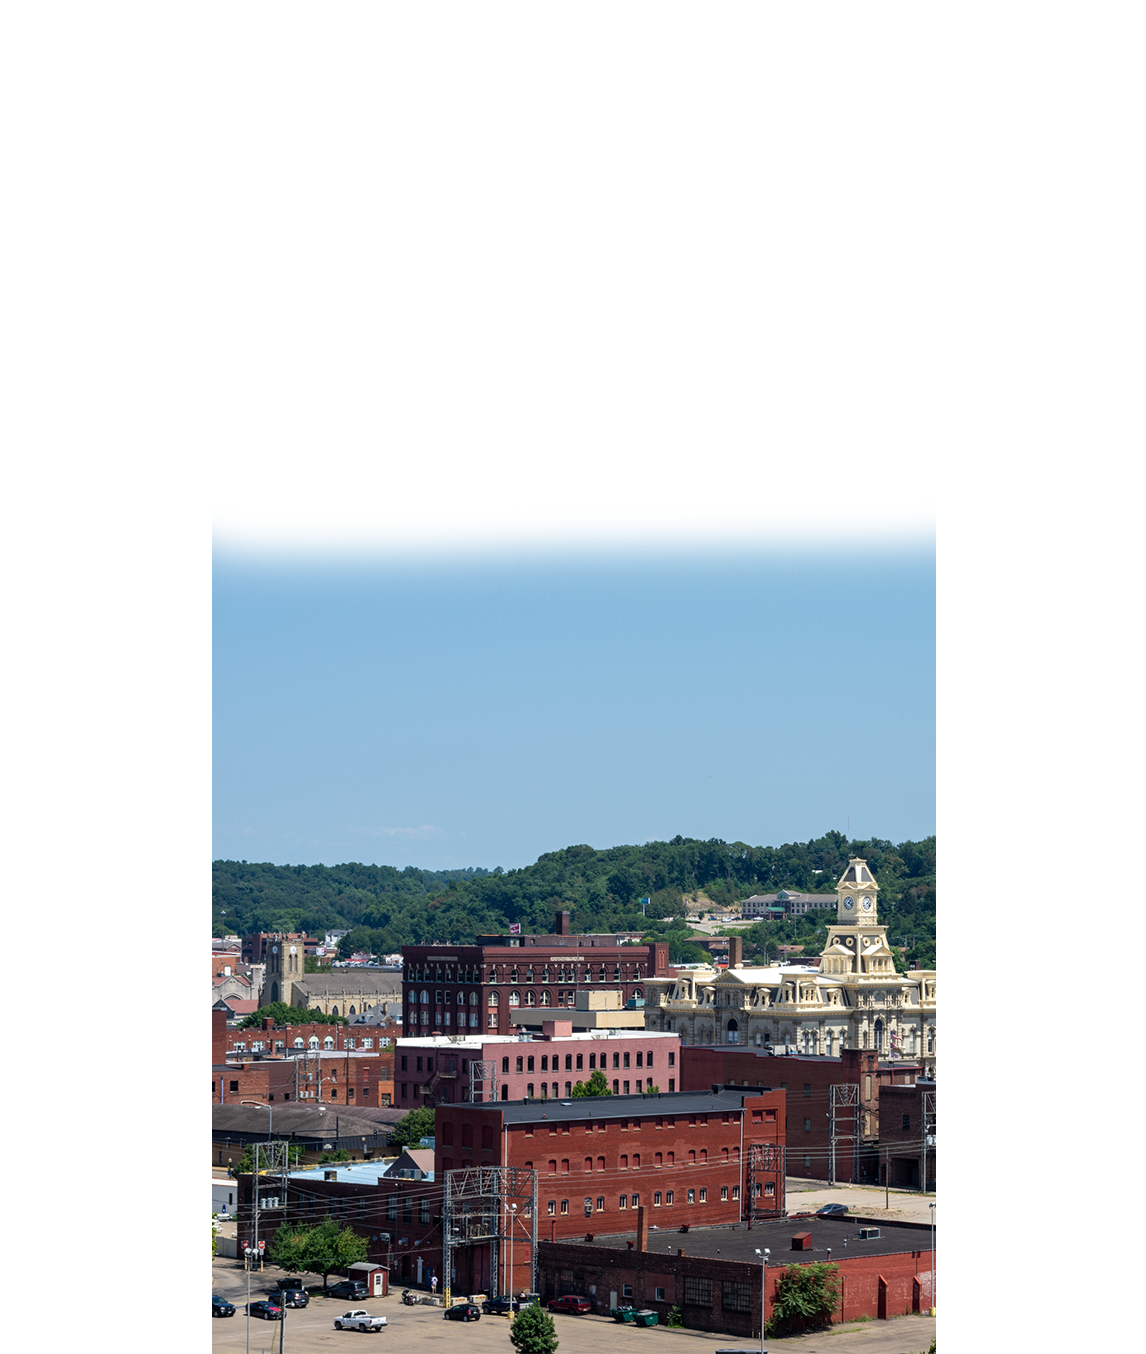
x=806, y=1296
x=675, y=1317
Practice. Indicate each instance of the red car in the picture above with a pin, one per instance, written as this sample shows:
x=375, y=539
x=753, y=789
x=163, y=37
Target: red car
x=570, y=1303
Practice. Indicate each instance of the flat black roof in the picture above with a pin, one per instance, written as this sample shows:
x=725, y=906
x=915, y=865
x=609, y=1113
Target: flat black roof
x=736, y=1242
x=617, y=1106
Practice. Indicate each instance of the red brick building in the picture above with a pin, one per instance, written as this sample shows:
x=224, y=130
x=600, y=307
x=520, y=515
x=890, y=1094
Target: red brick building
x=808, y=1080
x=454, y=988
x=686, y=1158
x=907, y=1135
x=316, y=1062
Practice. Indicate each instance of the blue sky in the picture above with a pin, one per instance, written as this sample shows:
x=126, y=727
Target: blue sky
x=481, y=711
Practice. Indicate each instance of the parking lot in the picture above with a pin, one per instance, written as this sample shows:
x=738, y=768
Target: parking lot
x=420, y=1329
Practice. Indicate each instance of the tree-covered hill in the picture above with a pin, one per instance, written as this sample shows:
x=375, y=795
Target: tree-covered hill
x=385, y=908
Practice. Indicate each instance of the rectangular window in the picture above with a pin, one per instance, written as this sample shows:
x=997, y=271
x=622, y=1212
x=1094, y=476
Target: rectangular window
x=234, y=1085
x=552, y=1208
x=807, y=1162
x=580, y=1062
x=660, y=1296
x=736, y=1191
x=736, y=1297
x=672, y=1058
x=529, y=1093
x=657, y=1199
x=565, y=1205
x=704, y=1196
x=697, y=1292
x=906, y=1122
x=807, y=1088
x=545, y=1062
x=392, y=1206
x=405, y=1089
x=723, y=1193
x=529, y=1065
x=626, y=1290
x=668, y=1197
x=624, y=1200
x=692, y=1196
x=672, y=1083
x=626, y=1060
x=424, y=1211
x=807, y=1125
x=626, y=1083
x=404, y=1067
x=600, y=1203
x=616, y=1060
x=505, y=1066
x=769, y=1187
x=419, y=1066
x=520, y=1066
x=569, y=1062
x=639, y=1062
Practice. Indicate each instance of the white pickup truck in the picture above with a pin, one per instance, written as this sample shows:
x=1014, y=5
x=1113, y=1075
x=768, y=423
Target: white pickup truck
x=359, y=1319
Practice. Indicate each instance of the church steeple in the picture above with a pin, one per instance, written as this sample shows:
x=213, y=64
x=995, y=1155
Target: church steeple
x=857, y=895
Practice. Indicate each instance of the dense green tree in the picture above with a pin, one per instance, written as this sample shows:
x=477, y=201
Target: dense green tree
x=417, y=1124
x=805, y=1296
x=282, y=1014
x=383, y=908
x=533, y=1332
x=596, y=1085
x=319, y=1249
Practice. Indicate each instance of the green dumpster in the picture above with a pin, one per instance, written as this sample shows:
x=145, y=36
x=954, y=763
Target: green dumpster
x=645, y=1319
x=624, y=1312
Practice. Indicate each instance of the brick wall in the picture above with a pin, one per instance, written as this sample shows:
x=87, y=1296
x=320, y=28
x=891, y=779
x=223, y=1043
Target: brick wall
x=877, y=1286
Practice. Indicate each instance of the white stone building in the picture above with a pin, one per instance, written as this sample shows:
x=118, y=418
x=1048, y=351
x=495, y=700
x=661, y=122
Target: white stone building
x=854, y=999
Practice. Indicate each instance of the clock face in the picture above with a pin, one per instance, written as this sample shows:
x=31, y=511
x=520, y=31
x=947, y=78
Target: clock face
x=867, y=904
x=274, y=949
x=848, y=902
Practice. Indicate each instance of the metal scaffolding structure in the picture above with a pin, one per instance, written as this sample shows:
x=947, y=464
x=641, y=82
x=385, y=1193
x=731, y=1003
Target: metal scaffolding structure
x=481, y=1071
x=765, y=1158
x=927, y=1135
x=844, y=1128
x=270, y=1159
x=488, y=1204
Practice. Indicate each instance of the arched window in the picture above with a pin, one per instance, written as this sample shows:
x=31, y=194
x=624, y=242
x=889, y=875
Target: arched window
x=351, y=1011
x=637, y=992
x=473, y=998
x=298, y=1043
x=492, y=999
x=515, y=998
x=313, y=1041
x=544, y=998
x=425, y=995
x=733, y=1032
x=529, y=999
x=328, y=1042
x=334, y=1010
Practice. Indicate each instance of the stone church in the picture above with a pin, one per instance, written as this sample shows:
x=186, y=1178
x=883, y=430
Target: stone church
x=853, y=1000
x=340, y=992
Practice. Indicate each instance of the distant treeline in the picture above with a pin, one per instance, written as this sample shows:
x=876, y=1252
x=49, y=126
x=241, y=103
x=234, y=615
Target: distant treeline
x=384, y=907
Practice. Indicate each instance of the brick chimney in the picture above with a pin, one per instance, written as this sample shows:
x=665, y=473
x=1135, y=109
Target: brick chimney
x=564, y=924
x=735, y=951
x=642, y=1228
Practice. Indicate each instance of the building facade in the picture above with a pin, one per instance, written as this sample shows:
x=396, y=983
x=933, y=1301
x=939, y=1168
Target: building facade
x=853, y=999
x=438, y=1071
x=451, y=988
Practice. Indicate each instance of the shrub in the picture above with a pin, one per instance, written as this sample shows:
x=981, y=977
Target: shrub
x=532, y=1331
x=806, y=1295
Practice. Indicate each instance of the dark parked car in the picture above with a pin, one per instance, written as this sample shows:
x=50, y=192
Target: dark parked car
x=221, y=1307
x=349, y=1288
x=832, y=1211
x=499, y=1306
x=292, y=1296
x=571, y=1302
x=269, y=1311
x=463, y=1311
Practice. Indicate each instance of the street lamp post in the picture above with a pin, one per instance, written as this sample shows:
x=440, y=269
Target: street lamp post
x=763, y=1254
x=512, y=1218
x=258, y=1105
x=932, y=1208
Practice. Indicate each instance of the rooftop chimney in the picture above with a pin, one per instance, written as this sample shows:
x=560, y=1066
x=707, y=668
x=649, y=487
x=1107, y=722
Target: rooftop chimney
x=564, y=924
x=642, y=1228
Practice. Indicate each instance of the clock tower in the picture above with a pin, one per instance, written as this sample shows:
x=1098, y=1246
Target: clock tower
x=857, y=943
x=856, y=892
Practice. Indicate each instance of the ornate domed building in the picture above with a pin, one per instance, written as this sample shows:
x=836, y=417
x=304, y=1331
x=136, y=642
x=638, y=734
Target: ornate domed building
x=855, y=999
